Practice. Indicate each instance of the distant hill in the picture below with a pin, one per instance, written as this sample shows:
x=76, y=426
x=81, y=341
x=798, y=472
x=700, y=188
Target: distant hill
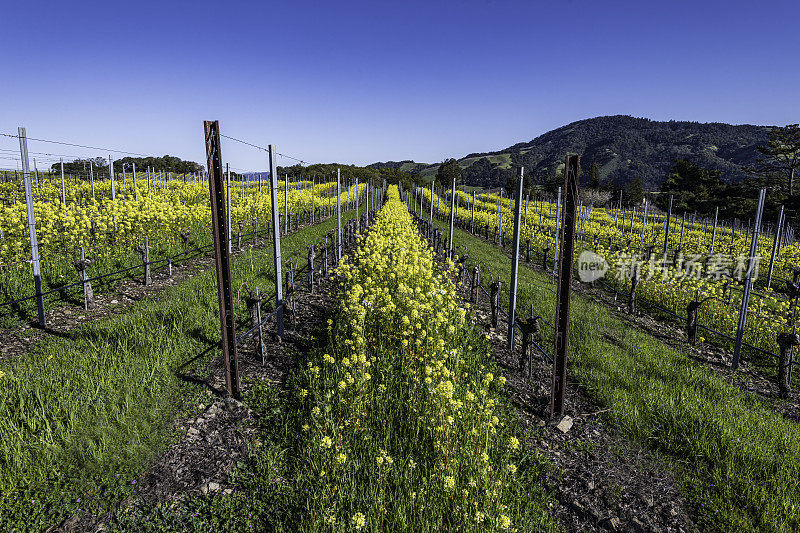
x=405, y=166
x=624, y=148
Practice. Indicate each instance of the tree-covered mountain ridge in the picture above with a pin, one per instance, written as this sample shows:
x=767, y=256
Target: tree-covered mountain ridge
x=623, y=147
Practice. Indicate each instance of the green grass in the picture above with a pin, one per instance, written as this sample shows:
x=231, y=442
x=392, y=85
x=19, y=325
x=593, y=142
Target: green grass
x=737, y=459
x=81, y=415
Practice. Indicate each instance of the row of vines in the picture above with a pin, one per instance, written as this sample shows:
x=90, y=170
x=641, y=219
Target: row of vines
x=689, y=272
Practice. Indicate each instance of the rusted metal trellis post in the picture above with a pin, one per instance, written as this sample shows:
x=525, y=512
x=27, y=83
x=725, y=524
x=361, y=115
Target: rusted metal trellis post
x=559, y=227
x=218, y=225
x=571, y=171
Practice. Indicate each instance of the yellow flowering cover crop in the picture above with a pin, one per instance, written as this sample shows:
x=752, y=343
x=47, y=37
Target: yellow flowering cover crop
x=403, y=428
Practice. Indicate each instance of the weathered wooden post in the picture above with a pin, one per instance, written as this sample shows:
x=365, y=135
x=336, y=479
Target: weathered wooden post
x=185, y=237
x=325, y=259
x=144, y=249
x=254, y=306
x=494, y=301
x=691, y=321
x=81, y=266
x=476, y=275
x=311, y=255
x=530, y=327
x=461, y=267
x=786, y=342
x=290, y=292
x=632, y=294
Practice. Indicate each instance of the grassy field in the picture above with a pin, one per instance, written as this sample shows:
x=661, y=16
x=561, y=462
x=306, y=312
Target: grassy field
x=738, y=460
x=81, y=415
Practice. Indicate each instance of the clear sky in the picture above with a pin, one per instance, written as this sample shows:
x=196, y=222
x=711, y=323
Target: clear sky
x=359, y=82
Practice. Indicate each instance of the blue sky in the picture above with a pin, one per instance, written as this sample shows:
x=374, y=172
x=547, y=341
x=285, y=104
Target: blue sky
x=360, y=82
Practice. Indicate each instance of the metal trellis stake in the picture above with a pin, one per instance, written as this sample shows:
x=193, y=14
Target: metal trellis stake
x=286, y=203
x=571, y=170
x=63, y=190
x=111, y=175
x=276, y=243
x=452, y=219
x=748, y=281
x=338, y=216
x=556, y=254
x=644, y=225
x=472, y=224
x=228, y=199
x=512, y=304
x=223, y=266
x=37, y=271
x=431, y=220
x=666, y=225
x=775, y=247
